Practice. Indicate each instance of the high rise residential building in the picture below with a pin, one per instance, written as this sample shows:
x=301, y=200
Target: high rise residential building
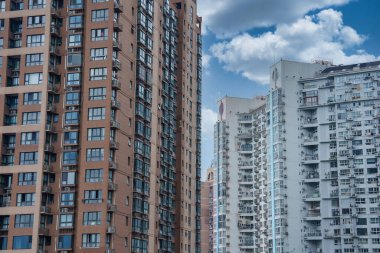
x=324, y=154
x=313, y=170
x=207, y=212
x=238, y=140
x=100, y=126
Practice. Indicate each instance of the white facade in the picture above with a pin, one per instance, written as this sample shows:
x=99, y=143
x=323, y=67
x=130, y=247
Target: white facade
x=310, y=159
x=234, y=177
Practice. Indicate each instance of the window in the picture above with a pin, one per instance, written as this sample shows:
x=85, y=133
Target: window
x=139, y=245
x=66, y=220
x=37, y=4
x=70, y=138
x=72, y=98
x=73, y=79
x=95, y=154
x=65, y=242
x=76, y=4
x=98, y=74
x=34, y=59
x=36, y=21
x=70, y=157
x=68, y=178
x=99, y=15
x=27, y=178
x=28, y=158
x=93, y=196
x=67, y=199
x=31, y=118
x=96, y=134
x=92, y=218
x=90, y=240
x=36, y=40
x=32, y=98
x=75, y=21
x=97, y=113
x=94, y=175
x=29, y=138
x=75, y=40
x=99, y=34
x=97, y=93
x=2, y=6
x=26, y=199
x=74, y=59
x=24, y=220
x=22, y=242
x=33, y=78
x=98, y=54
x=71, y=118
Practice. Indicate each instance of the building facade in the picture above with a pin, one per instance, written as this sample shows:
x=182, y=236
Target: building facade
x=207, y=212
x=239, y=130
x=301, y=174
x=100, y=112
x=325, y=163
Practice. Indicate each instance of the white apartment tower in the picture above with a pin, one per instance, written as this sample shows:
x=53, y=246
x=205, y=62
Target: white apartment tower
x=307, y=168
x=239, y=131
x=324, y=151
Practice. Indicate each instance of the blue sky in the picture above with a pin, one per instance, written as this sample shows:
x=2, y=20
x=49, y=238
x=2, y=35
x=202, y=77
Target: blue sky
x=242, y=38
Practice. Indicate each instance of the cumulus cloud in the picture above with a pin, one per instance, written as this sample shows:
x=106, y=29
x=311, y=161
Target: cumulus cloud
x=229, y=17
x=209, y=118
x=320, y=36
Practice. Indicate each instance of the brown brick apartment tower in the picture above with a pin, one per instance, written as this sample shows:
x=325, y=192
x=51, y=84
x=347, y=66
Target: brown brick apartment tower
x=99, y=126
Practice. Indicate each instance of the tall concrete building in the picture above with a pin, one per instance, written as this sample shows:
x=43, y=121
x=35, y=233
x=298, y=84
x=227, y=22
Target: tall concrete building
x=313, y=170
x=100, y=126
x=239, y=129
x=207, y=212
x=324, y=154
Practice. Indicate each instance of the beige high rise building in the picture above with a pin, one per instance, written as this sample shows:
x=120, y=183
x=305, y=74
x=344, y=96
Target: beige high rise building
x=100, y=126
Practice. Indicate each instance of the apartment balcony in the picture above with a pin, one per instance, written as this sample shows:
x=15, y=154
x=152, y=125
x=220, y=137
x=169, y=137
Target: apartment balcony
x=116, y=64
x=246, y=227
x=310, y=141
x=311, y=177
x=311, y=197
x=245, y=165
x=245, y=180
x=43, y=231
x=245, y=210
x=310, y=159
x=114, y=144
x=113, y=165
x=118, y=7
x=53, y=87
x=55, y=30
x=111, y=229
x=115, y=104
x=117, y=27
x=246, y=148
x=115, y=83
x=313, y=235
x=111, y=207
x=112, y=186
x=246, y=195
x=310, y=104
x=245, y=135
x=45, y=210
x=116, y=45
x=114, y=124
x=313, y=214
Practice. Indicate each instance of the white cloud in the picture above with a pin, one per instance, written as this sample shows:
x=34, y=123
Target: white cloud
x=229, y=17
x=209, y=118
x=312, y=37
x=206, y=58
